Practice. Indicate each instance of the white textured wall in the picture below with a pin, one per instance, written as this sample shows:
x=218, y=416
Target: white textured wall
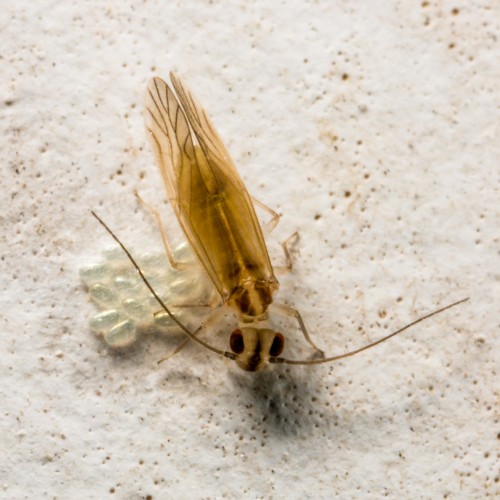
x=392, y=102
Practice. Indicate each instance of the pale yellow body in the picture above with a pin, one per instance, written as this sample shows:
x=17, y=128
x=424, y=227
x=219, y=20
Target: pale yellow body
x=211, y=202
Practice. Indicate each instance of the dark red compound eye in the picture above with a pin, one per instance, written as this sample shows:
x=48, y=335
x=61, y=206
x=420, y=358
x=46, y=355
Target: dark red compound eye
x=236, y=342
x=277, y=345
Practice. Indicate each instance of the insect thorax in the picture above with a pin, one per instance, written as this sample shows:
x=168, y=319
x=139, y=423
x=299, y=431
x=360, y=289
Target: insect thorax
x=251, y=300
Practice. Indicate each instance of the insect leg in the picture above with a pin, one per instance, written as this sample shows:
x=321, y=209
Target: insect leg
x=288, y=256
x=212, y=302
x=190, y=306
x=269, y=226
x=290, y=312
x=179, y=348
x=213, y=318
x=166, y=244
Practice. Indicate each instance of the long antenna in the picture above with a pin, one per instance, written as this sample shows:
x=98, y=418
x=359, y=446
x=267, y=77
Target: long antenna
x=160, y=301
x=368, y=346
x=232, y=355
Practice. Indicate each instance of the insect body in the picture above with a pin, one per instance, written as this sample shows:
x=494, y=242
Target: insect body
x=216, y=213
x=218, y=218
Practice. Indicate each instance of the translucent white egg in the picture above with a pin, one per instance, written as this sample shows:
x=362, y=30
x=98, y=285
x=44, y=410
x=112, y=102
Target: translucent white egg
x=126, y=308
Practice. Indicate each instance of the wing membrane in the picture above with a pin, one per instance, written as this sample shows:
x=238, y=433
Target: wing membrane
x=205, y=132
x=170, y=133
x=208, y=196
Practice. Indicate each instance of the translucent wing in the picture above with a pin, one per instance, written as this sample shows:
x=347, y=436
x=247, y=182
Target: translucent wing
x=208, y=196
x=170, y=135
x=209, y=140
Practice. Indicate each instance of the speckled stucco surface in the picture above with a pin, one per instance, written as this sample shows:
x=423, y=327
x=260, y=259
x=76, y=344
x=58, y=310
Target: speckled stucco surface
x=373, y=128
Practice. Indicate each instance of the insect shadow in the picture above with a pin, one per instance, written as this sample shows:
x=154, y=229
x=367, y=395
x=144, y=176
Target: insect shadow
x=283, y=401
